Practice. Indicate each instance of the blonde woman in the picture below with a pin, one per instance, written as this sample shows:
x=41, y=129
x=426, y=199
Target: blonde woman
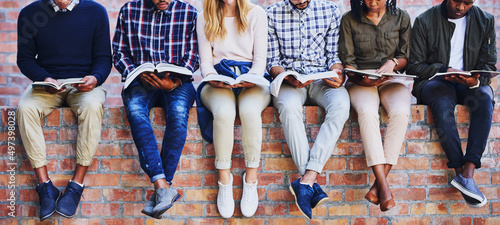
x=232, y=37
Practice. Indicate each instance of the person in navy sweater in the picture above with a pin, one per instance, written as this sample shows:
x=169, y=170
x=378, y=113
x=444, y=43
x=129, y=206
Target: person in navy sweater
x=61, y=41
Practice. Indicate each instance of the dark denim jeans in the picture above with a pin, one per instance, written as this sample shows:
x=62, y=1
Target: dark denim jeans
x=138, y=101
x=442, y=96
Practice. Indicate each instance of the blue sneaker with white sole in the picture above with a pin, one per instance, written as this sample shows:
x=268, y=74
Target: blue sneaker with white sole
x=472, y=195
x=303, y=194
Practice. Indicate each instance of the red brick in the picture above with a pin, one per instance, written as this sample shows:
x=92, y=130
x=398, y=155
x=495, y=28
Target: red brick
x=440, y=194
x=133, y=209
x=417, y=133
x=279, y=164
x=398, y=210
x=96, y=209
x=348, y=179
x=102, y=179
x=192, y=210
x=487, y=221
x=496, y=208
x=461, y=208
x=425, y=179
x=91, y=195
x=433, y=148
x=358, y=164
x=272, y=148
x=279, y=195
x=268, y=115
x=495, y=178
x=68, y=134
x=368, y=221
x=135, y=180
x=108, y=150
x=406, y=163
x=206, y=221
x=287, y=221
x=120, y=164
x=245, y=221
x=78, y=221
x=192, y=149
x=122, y=195
x=428, y=208
x=412, y=194
x=197, y=164
x=453, y=220
x=417, y=113
x=270, y=178
x=348, y=149
x=311, y=114
x=115, y=116
x=69, y=118
x=412, y=221
x=50, y=135
x=53, y=118
x=187, y=180
x=439, y=164
x=121, y=221
x=9, y=4
x=276, y=133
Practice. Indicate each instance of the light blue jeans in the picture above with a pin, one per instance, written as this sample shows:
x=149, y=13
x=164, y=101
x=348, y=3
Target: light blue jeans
x=290, y=102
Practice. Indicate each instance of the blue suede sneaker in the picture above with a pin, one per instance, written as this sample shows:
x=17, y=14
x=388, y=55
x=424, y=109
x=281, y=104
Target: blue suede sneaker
x=48, y=195
x=69, y=202
x=319, y=196
x=303, y=194
x=472, y=195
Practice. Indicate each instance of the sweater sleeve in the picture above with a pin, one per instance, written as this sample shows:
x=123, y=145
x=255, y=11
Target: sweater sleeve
x=259, y=30
x=101, y=49
x=206, y=55
x=27, y=50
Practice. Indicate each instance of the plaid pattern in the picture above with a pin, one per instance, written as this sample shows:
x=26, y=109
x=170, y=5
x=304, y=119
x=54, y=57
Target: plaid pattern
x=145, y=34
x=303, y=40
x=70, y=7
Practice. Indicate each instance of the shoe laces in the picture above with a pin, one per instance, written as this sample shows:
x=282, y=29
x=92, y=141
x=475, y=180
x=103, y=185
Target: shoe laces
x=43, y=192
x=250, y=192
x=74, y=194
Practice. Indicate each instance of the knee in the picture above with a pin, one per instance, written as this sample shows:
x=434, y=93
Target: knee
x=26, y=108
x=224, y=114
x=91, y=108
x=289, y=109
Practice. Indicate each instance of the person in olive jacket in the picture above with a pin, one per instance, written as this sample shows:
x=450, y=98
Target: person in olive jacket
x=450, y=37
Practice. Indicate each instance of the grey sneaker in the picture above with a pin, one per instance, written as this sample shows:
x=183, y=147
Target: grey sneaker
x=165, y=198
x=148, y=208
x=472, y=195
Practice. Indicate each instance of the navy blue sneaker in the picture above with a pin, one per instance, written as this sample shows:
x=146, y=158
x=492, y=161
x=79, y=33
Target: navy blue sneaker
x=69, y=202
x=303, y=194
x=472, y=195
x=48, y=195
x=319, y=196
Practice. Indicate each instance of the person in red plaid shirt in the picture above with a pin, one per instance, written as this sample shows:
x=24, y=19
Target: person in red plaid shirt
x=157, y=31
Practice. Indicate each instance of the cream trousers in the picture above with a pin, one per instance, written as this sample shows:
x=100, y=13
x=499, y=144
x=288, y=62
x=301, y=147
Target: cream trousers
x=396, y=100
x=222, y=103
x=37, y=103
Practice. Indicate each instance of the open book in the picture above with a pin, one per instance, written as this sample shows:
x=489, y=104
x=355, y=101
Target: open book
x=248, y=77
x=372, y=75
x=468, y=73
x=44, y=84
x=158, y=70
x=278, y=80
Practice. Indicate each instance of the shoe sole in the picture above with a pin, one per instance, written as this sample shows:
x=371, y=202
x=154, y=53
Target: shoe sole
x=477, y=205
x=467, y=192
x=55, y=210
x=323, y=200
x=158, y=214
x=147, y=213
x=296, y=203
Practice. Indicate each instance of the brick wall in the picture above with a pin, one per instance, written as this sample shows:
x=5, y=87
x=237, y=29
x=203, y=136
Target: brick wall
x=13, y=83
x=117, y=188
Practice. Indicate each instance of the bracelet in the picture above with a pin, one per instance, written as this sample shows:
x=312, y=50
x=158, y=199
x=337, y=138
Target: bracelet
x=395, y=61
x=175, y=86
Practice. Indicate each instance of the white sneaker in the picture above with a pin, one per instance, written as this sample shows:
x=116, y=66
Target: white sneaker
x=249, y=199
x=225, y=201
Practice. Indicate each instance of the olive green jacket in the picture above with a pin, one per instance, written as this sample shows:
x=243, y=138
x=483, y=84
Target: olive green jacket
x=364, y=45
x=431, y=44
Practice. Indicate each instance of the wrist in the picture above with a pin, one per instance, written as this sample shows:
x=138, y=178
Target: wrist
x=476, y=86
x=396, y=63
x=173, y=87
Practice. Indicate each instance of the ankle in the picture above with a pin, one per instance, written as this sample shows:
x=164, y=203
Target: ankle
x=224, y=177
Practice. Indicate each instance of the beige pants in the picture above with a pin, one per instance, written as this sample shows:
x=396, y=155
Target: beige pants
x=222, y=103
x=396, y=100
x=37, y=103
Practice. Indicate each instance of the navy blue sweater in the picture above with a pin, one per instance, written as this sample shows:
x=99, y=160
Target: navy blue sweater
x=59, y=45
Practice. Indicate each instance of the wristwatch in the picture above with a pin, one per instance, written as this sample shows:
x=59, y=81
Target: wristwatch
x=395, y=61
